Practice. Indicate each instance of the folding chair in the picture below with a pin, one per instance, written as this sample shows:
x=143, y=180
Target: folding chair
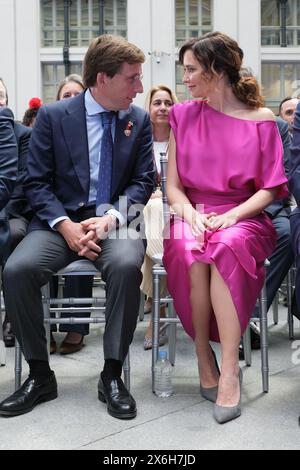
x=77, y=268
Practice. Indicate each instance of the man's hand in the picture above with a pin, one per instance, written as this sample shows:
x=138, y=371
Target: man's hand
x=157, y=194
x=91, y=249
x=74, y=233
x=101, y=225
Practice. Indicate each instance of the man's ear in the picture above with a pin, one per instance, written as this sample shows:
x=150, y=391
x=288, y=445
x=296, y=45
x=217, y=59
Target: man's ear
x=102, y=78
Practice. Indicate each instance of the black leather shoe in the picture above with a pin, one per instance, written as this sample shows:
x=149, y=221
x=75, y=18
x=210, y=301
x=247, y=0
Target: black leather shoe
x=241, y=353
x=120, y=404
x=8, y=335
x=255, y=344
x=69, y=348
x=32, y=392
x=255, y=339
x=295, y=310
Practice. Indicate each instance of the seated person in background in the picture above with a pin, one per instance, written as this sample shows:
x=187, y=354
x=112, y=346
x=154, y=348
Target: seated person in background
x=279, y=212
x=8, y=174
x=18, y=210
x=294, y=184
x=287, y=109
x=283, y=257
x=31, y=113
x=158, y=103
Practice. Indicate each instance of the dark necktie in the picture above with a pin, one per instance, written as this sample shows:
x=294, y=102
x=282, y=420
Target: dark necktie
x=105, y=167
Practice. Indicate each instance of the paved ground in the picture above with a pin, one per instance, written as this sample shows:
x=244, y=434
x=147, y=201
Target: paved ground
x=77, y=420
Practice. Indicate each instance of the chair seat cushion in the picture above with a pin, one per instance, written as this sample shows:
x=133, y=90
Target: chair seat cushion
x=82, y=266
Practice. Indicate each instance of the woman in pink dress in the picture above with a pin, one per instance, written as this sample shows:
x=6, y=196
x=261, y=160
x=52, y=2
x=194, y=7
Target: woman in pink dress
x=225, y=166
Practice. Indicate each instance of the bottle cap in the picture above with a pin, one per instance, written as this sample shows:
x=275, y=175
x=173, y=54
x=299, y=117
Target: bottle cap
x=162, y=354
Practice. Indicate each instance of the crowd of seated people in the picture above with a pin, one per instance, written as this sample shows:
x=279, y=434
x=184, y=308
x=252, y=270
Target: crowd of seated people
x=79, y=225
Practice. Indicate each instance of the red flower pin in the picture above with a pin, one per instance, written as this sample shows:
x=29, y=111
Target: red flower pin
x=128, y=129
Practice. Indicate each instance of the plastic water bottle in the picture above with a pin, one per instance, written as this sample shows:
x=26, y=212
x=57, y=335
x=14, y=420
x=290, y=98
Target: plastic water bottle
x=163, y=376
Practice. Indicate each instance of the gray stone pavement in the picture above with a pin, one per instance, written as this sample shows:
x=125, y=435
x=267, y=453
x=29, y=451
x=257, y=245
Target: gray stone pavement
x=77, y=420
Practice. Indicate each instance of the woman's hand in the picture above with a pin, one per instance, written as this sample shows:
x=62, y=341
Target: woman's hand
x=201, y=222
x=157, y=194
x=223, y=221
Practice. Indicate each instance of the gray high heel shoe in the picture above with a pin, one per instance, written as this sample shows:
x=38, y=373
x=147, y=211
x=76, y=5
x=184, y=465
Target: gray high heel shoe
x=211, y=393
x=223, y=414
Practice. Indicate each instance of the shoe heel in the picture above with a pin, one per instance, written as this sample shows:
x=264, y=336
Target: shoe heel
x=48, y=397
x=215, y=360
x=209, y=394
x=101, y=397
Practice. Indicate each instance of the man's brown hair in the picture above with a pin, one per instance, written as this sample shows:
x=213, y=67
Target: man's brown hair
x=107, y=53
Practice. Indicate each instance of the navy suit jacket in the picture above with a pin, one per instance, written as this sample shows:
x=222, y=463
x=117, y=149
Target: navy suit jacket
x=294, y=176
x=58, y=176
x=8, y=173
x=18, y=206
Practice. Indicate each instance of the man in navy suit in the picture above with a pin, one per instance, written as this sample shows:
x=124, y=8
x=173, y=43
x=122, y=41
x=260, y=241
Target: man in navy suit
x=279, y=211
x=17, y=210
x=294, y=184
x=282, y=258
x=8, y=173
x=73, y=146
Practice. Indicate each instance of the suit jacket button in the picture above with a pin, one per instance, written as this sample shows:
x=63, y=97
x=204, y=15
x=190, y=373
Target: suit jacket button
x=81, y=204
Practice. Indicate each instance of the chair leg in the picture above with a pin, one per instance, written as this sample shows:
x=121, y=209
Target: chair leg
x=46, y=309
x=18, y=365
x=2, y=352
x=126, y=371
x=289, y=292
x=172, y=334
x=275, y=309
x=264, y=339
x=247, y=347
x=155, y=320
x=141, y=307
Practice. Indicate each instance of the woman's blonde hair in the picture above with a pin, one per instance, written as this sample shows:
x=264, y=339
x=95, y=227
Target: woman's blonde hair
x=156, y=88
x=74, y=77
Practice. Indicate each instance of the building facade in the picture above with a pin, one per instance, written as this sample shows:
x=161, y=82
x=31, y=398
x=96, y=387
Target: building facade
x=42, y=40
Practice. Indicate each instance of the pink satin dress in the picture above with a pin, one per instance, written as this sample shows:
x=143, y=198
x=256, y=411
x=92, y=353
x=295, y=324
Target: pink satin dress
x=221, y=162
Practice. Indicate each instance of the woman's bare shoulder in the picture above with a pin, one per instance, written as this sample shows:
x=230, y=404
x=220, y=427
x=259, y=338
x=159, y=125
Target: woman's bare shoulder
x=263, y=114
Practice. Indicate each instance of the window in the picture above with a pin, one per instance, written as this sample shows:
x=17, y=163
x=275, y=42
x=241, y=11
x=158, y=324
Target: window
x=280, y=80
x=280, y=20
x=52, y=75
x=193, y=19
x=52, y=21
x=84, y=21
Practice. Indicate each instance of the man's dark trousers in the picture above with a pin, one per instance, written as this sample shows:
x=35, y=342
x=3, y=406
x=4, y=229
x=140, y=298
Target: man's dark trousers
x=43, y=253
